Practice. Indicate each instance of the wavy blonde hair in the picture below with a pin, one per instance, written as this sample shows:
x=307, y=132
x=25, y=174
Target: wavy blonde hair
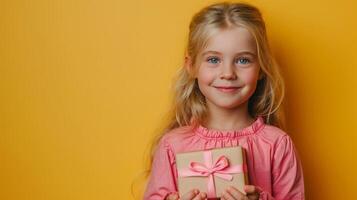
x=188, y=105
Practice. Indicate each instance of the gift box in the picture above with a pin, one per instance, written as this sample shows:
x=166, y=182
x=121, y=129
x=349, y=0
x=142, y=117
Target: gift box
x=212, y=171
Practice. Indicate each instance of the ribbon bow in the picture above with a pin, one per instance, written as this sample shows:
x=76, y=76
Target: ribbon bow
x=220, y=168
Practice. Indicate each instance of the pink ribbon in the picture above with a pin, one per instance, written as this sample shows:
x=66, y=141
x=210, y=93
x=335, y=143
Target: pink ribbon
x=220, y=168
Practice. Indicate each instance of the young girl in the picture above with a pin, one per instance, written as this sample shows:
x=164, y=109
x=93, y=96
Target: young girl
x=229, y=93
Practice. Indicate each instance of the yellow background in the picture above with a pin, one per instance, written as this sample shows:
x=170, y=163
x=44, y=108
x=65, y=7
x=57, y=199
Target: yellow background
x=84, y=84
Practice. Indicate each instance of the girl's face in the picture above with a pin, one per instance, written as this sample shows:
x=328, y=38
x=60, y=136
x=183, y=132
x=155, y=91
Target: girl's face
x=228, y=70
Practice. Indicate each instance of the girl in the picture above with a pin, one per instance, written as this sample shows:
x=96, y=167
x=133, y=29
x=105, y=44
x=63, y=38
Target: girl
x=228, y=93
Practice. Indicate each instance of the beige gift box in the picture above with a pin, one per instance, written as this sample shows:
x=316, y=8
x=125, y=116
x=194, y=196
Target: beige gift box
x=212, y=171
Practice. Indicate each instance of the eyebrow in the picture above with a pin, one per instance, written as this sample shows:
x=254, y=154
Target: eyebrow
x=241, y=52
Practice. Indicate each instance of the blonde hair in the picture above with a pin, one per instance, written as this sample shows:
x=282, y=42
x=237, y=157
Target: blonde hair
x=188, y=106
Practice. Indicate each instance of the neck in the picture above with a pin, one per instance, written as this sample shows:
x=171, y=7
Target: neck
x=228, y=119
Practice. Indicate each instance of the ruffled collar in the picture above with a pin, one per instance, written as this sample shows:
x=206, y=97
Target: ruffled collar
x=213, y=133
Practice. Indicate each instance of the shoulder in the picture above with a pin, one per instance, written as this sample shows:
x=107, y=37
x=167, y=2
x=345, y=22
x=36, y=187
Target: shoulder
x=176, y=138
x=273, y=135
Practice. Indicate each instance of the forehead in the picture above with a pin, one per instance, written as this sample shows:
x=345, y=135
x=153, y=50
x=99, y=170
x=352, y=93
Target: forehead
x=231, y=41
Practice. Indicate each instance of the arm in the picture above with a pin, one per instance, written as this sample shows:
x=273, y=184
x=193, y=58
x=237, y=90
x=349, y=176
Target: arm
x=287, y=177
x=161, y=180
x=287, y=174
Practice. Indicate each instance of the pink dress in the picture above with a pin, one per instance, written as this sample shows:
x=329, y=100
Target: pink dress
x=272, y=159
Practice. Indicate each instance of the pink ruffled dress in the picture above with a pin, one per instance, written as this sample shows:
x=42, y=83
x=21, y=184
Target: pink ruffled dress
x=272, y=159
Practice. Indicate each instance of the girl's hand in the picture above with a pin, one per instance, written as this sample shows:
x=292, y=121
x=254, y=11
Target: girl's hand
x=232, y=193
x=172, y=197
x=191, y=195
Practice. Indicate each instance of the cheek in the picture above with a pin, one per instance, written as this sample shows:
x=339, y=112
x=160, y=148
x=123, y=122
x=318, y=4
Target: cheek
x=205, y=76
x=251, y=76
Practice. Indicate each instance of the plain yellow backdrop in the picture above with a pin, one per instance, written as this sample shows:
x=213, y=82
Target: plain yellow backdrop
x=84, y=85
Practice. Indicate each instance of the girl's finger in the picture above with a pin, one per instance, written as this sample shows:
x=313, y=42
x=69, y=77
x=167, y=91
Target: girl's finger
x=254, y=196
x=253, y=192
x=172, y=197
x=235, y=193
x=200, y=196
x=252, y=189
x=190, y=195
x=228, y=196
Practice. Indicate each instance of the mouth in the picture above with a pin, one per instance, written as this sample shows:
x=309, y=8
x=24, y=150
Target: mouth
x=227, y=89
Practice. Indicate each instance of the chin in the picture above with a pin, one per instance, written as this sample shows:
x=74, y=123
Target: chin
x=226, y=105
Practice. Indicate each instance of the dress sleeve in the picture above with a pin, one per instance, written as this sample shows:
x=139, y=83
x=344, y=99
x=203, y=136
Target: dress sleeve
x=287, y=173
x=161, y=179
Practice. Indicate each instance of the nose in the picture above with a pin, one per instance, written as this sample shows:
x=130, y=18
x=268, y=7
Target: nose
x=228, y=72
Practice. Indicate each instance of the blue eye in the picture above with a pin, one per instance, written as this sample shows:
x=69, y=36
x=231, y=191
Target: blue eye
x=245, y=60
x=214, y=59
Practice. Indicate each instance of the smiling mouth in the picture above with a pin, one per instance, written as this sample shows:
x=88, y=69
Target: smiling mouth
x=228, y=89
